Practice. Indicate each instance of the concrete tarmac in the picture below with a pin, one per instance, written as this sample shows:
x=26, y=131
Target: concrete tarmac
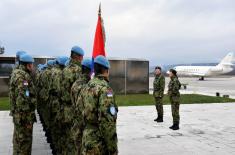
x=204, y=129
x=40, y=145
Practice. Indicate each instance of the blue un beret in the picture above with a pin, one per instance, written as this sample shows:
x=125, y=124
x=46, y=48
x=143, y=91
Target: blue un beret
x=19, y=53
x=77, y=50
x=51, y=62
x=62, y=60
x=26, y=58
x=87, y=63
x=102, y=61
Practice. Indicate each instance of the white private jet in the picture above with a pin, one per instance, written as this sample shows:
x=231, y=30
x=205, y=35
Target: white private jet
x=225, y=66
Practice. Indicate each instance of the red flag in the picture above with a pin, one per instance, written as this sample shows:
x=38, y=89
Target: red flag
x=99, y=41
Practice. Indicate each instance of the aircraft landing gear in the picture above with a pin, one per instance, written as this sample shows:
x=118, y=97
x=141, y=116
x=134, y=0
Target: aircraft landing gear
x=201, y=78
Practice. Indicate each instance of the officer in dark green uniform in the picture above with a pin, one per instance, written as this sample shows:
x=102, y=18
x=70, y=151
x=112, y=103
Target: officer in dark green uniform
x=158, y=92
x=174, y=95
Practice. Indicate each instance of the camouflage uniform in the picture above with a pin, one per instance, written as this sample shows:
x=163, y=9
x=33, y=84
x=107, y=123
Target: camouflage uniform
x=55, y=109
x=23, y=98
x=44, y=83
x=10, y=85
x=78, y=124
x=70, y=74
x=99, y=114
x=174, y=94
x=38, y=87
x=158, y=93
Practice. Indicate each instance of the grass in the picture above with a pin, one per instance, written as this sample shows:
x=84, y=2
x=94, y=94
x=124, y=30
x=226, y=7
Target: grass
x=146, y=99
x=4, y=103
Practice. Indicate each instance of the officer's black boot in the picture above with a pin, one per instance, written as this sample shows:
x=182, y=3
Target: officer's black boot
x=176, y=127
x=160, y=119
x=171, y=127
x=156, y=119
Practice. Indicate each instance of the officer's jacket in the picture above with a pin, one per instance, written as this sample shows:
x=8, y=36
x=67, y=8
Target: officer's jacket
x=159, y=86
x=174, y=87
x=23, y=97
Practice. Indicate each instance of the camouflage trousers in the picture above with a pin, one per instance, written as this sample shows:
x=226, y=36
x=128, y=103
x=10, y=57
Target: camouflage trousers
x=92, y=143
x=55, y=125
x=76, y=136
x=22, y=139
x=159, y=106
x=175, y=105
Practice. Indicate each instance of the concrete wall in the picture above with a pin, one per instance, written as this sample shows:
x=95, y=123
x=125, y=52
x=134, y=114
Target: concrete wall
x=4, y=86
x=129, y=76
x=126, y=76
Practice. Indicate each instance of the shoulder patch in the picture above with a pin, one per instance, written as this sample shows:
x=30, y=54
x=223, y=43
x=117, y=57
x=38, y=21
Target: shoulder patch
x=25, y=83
x=27, y=93
x=112, y=110
x=109, y=93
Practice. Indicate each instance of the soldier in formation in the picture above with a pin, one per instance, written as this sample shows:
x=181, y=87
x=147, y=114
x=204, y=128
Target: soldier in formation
x=71, y=106
x=23, y=103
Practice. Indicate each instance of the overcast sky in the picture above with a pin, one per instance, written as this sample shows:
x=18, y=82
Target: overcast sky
x=162, y=31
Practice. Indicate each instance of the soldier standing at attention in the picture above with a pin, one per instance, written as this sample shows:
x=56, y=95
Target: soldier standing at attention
x=43, y=89
x=158, y=92
x=17, y=64
x=78, y=123
x=70, y=74
x=55, y=105
x=24, y=103
x=100, y=113
x=174, y=95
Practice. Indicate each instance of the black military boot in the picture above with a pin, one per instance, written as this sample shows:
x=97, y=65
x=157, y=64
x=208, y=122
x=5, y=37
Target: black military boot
x=160, y=119
x=156, y=119
x=171, y=127
x=176, y=127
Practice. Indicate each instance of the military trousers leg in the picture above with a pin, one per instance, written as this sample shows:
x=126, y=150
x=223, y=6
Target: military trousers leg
x=159, y=106
x=175, y=105
x=22, y=139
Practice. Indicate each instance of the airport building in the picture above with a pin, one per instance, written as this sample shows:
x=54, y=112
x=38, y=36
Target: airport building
x=127, y=76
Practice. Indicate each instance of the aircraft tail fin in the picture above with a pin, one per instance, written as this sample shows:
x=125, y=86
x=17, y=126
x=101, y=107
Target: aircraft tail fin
x=227, y=60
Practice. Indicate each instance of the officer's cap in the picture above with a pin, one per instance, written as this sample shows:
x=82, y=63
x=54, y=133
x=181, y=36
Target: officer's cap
x=173, y=71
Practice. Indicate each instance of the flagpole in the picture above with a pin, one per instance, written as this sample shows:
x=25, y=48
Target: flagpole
x=99, y=11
